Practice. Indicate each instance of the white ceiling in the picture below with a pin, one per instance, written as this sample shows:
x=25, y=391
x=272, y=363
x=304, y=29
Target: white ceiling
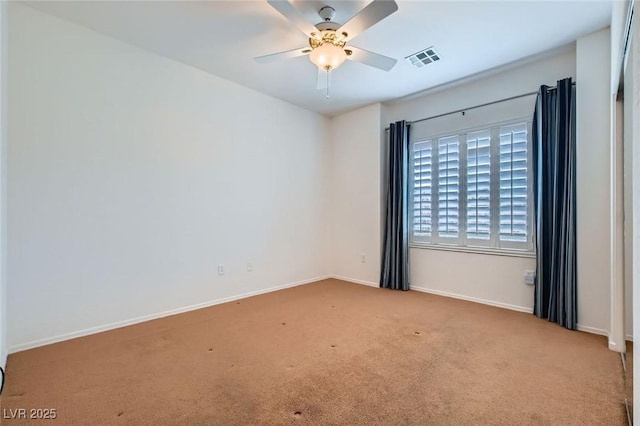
x=223, y=37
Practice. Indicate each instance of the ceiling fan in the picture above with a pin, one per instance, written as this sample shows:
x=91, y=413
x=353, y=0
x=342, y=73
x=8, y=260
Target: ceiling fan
x=327, y=47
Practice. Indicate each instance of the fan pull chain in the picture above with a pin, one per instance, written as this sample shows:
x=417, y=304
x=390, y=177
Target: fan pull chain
x=327, y=83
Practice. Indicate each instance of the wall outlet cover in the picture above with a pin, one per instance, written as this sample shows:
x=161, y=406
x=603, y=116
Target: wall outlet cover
x=530, y=277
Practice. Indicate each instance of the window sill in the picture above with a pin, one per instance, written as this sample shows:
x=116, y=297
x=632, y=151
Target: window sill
x=476, y=250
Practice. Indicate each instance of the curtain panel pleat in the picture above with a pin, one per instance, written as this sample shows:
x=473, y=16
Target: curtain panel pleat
x=394, y=270
x=554, y=165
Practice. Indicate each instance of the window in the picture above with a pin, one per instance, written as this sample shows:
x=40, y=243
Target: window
x=472, y=190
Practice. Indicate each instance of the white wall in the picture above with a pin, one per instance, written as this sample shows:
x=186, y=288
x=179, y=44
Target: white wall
x=497, y=280
x=132, y=176
x=490, y=279
x=4, y=31
x=593, y=157
x=633, y=94
x=355, y=194
x=513, y=80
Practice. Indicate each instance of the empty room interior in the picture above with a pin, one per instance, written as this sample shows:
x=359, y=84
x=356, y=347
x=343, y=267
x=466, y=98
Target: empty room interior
x=319, y=212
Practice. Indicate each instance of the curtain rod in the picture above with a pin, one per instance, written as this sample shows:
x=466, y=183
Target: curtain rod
x=549, y=88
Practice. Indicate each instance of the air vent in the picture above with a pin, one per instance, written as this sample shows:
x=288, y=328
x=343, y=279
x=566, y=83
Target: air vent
x=423, y=57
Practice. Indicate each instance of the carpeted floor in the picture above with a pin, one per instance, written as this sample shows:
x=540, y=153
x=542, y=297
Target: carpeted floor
x=330, y=353
x=628, y=378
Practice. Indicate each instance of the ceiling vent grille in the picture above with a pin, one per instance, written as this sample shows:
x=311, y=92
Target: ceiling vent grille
x=423, y=57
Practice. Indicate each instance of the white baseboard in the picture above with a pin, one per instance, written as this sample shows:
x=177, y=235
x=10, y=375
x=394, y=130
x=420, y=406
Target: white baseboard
x=444, y=293
x=509, y=306
x=592, y=330
x=474, y=299
x=356, y=281
x=137, y=320
x=517, y=308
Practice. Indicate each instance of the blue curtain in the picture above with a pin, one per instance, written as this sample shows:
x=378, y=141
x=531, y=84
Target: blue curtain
x=394, y=271
x=554, y=165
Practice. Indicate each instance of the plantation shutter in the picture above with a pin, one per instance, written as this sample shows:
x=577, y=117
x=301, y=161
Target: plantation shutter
x=449, y=187
x=513, y=183
x=422, y=187
x=479, y=185
x=472, y=189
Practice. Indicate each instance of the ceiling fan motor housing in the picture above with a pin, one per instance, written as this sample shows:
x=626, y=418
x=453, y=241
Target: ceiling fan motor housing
x=327, y=30
x=327, y=13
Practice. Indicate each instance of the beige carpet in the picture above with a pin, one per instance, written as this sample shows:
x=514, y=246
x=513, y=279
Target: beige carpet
x=329, y=353
x=628, y=378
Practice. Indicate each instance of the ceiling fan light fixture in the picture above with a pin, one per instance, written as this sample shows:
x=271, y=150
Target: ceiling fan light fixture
x=328, y=56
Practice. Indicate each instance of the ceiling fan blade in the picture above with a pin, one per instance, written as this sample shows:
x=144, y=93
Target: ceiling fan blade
x=291, y=13
x=324, y=79
x=375, y=60
x=373, y=13
x=294, y=53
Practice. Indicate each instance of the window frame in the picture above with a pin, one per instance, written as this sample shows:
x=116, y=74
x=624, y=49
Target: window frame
x=464, y=244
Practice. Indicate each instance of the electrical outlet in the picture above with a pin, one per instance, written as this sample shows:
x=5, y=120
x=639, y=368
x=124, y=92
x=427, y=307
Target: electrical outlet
x=220, y=269
x=363, y=258
x=249, y=266
x=529, y=277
